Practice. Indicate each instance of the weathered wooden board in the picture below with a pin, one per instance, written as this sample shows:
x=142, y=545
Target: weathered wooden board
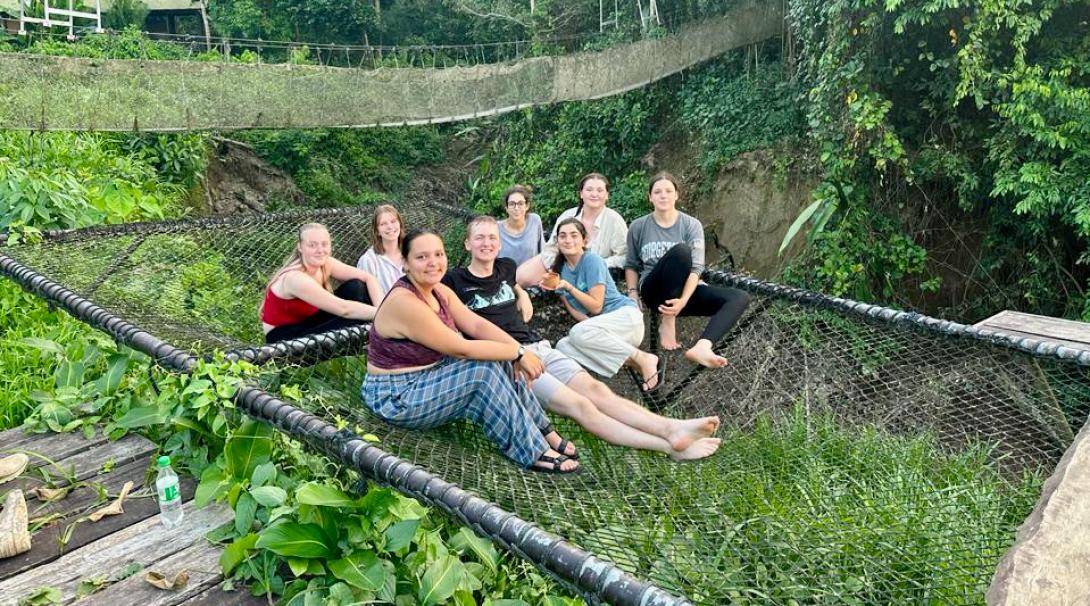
x=84, y=462
x=47, y=540
x=200, y=560
x=55, y=446
x=218, y=597
x=147, y=542
x=1069, y=332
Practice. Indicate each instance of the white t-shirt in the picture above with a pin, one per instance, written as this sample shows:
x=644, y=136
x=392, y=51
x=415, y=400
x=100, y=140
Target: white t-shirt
x=382, y=268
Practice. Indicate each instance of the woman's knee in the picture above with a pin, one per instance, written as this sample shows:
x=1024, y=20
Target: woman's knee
x=353, y=290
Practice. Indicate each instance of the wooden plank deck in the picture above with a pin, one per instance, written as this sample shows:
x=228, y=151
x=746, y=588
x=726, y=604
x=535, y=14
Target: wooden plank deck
x=1069, y=332
x=67, y=550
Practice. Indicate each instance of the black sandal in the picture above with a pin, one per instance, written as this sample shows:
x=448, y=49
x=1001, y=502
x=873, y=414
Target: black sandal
x=563, y=445
x=554, y=465
x=660, y=374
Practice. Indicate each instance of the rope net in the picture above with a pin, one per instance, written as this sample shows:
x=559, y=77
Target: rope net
x=70, y=93
x=864, y=460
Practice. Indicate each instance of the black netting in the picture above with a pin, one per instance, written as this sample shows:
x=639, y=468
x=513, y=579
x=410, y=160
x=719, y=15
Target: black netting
x=867, y=457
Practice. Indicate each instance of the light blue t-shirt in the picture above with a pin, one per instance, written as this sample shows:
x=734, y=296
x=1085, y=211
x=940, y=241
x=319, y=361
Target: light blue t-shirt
x=524, y=245
x=590, y=272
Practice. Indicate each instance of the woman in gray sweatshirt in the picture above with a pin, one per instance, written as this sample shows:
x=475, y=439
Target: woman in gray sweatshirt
x=664, y=261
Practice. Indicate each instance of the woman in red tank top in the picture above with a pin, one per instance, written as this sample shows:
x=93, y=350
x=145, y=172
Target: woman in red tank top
x=298, y=300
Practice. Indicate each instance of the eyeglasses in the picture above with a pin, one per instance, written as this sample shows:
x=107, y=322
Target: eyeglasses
x=516, y=204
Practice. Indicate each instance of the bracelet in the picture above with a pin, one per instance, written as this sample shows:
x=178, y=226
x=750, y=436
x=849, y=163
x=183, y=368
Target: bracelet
x=633, y=290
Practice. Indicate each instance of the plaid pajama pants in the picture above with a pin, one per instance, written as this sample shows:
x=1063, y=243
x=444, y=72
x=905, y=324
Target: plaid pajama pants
x=453, y=389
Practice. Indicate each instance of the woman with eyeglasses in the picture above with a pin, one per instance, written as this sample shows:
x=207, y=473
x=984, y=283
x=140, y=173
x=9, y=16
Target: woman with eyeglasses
x=521, y=234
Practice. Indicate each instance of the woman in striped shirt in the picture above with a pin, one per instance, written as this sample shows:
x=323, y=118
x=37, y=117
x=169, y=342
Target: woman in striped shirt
x=383, y=260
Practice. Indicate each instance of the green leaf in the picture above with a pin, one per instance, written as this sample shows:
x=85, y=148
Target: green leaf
x=314, y=493
x=362, y=569
x=44, y=345
x=115, y=371
x=69, y=374
x=235, y=553
x=141, y=416
x=245, y=510
x=803, y=217
x=296, y=540
x=249, y=447
x=299, y=565
x=400, y=535
x=269, y=496
x=440, y=580
x=483, y=548
x=506, y=602
x=213, y=484
x=263, y=474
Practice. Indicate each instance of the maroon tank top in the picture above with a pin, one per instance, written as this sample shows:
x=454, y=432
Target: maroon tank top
x=391, y=354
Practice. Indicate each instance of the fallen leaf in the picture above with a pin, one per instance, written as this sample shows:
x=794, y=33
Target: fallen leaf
x=47, y=495
x=113, y=508
x=157, y=579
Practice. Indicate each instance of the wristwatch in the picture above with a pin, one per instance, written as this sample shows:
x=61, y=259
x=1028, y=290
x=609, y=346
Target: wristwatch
x=521, y=352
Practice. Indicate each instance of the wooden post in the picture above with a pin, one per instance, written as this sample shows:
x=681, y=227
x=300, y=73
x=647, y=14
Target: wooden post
x=204, y=21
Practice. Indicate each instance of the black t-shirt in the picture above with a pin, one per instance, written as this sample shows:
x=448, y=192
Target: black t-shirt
x=493, y=298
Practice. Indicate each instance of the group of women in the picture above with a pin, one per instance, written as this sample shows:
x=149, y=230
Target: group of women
x=431, y=359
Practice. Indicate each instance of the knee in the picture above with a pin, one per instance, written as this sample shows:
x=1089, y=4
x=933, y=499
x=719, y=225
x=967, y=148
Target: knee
x=598, y=391
x=680, y=249
x=354, y=290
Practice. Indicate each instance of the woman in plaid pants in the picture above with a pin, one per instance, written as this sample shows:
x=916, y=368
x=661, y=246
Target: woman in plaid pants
x=422, y=373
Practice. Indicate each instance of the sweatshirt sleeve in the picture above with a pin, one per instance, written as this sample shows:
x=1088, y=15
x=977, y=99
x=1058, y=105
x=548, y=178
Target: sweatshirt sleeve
x=632, y=256
x=695, y=237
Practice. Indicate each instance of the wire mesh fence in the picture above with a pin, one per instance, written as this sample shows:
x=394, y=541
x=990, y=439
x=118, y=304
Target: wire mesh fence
x=864, y=459
x=425, y=85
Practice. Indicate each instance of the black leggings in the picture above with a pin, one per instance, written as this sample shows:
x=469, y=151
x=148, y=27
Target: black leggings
x=667, y=280
x=323, y=321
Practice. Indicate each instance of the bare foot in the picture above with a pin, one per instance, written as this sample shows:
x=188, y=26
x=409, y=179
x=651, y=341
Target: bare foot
x=668, y=333
x=687, y=431
x=648, y=365
x=704, y=447
x=702, y=354
x=554, y=441
x=566, y=466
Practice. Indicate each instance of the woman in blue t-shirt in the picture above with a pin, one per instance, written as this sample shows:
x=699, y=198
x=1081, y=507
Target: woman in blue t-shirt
x=521, y=235
x=610, y=325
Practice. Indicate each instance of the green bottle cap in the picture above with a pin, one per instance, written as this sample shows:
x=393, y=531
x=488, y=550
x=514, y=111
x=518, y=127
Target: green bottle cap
x=164, y=461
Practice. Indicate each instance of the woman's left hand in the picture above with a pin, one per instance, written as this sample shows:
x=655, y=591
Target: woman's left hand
x=672, y=307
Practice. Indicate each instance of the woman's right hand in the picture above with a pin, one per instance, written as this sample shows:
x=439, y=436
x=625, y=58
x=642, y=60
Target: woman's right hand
x=530, y=366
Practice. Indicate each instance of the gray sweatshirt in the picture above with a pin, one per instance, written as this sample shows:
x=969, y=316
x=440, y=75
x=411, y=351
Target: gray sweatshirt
x=648, y=242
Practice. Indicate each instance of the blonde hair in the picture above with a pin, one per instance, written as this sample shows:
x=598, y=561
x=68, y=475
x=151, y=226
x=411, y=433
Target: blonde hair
x=479, y=220
x=376, y=239
x=295, y=259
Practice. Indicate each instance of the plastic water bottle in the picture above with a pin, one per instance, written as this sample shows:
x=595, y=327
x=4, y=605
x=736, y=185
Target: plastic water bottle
x=170, y=495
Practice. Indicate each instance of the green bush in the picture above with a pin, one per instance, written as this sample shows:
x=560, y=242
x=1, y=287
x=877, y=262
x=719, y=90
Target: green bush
x=64, y=180
x=733, y=109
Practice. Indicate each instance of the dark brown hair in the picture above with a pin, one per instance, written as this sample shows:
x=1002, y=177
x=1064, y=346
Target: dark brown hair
x=407, y=241
x=663, y=176
x=519, y=189
x=559, y=261
x=583, y=181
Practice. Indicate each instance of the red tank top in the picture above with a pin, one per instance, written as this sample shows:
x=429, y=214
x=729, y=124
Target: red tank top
x=281, y=312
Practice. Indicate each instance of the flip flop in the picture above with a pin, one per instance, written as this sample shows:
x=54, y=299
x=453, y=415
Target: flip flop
x=554, y=465
x=660, y=373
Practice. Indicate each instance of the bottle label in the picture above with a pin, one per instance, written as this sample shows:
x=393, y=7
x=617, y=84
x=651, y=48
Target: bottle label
x=169, y=493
